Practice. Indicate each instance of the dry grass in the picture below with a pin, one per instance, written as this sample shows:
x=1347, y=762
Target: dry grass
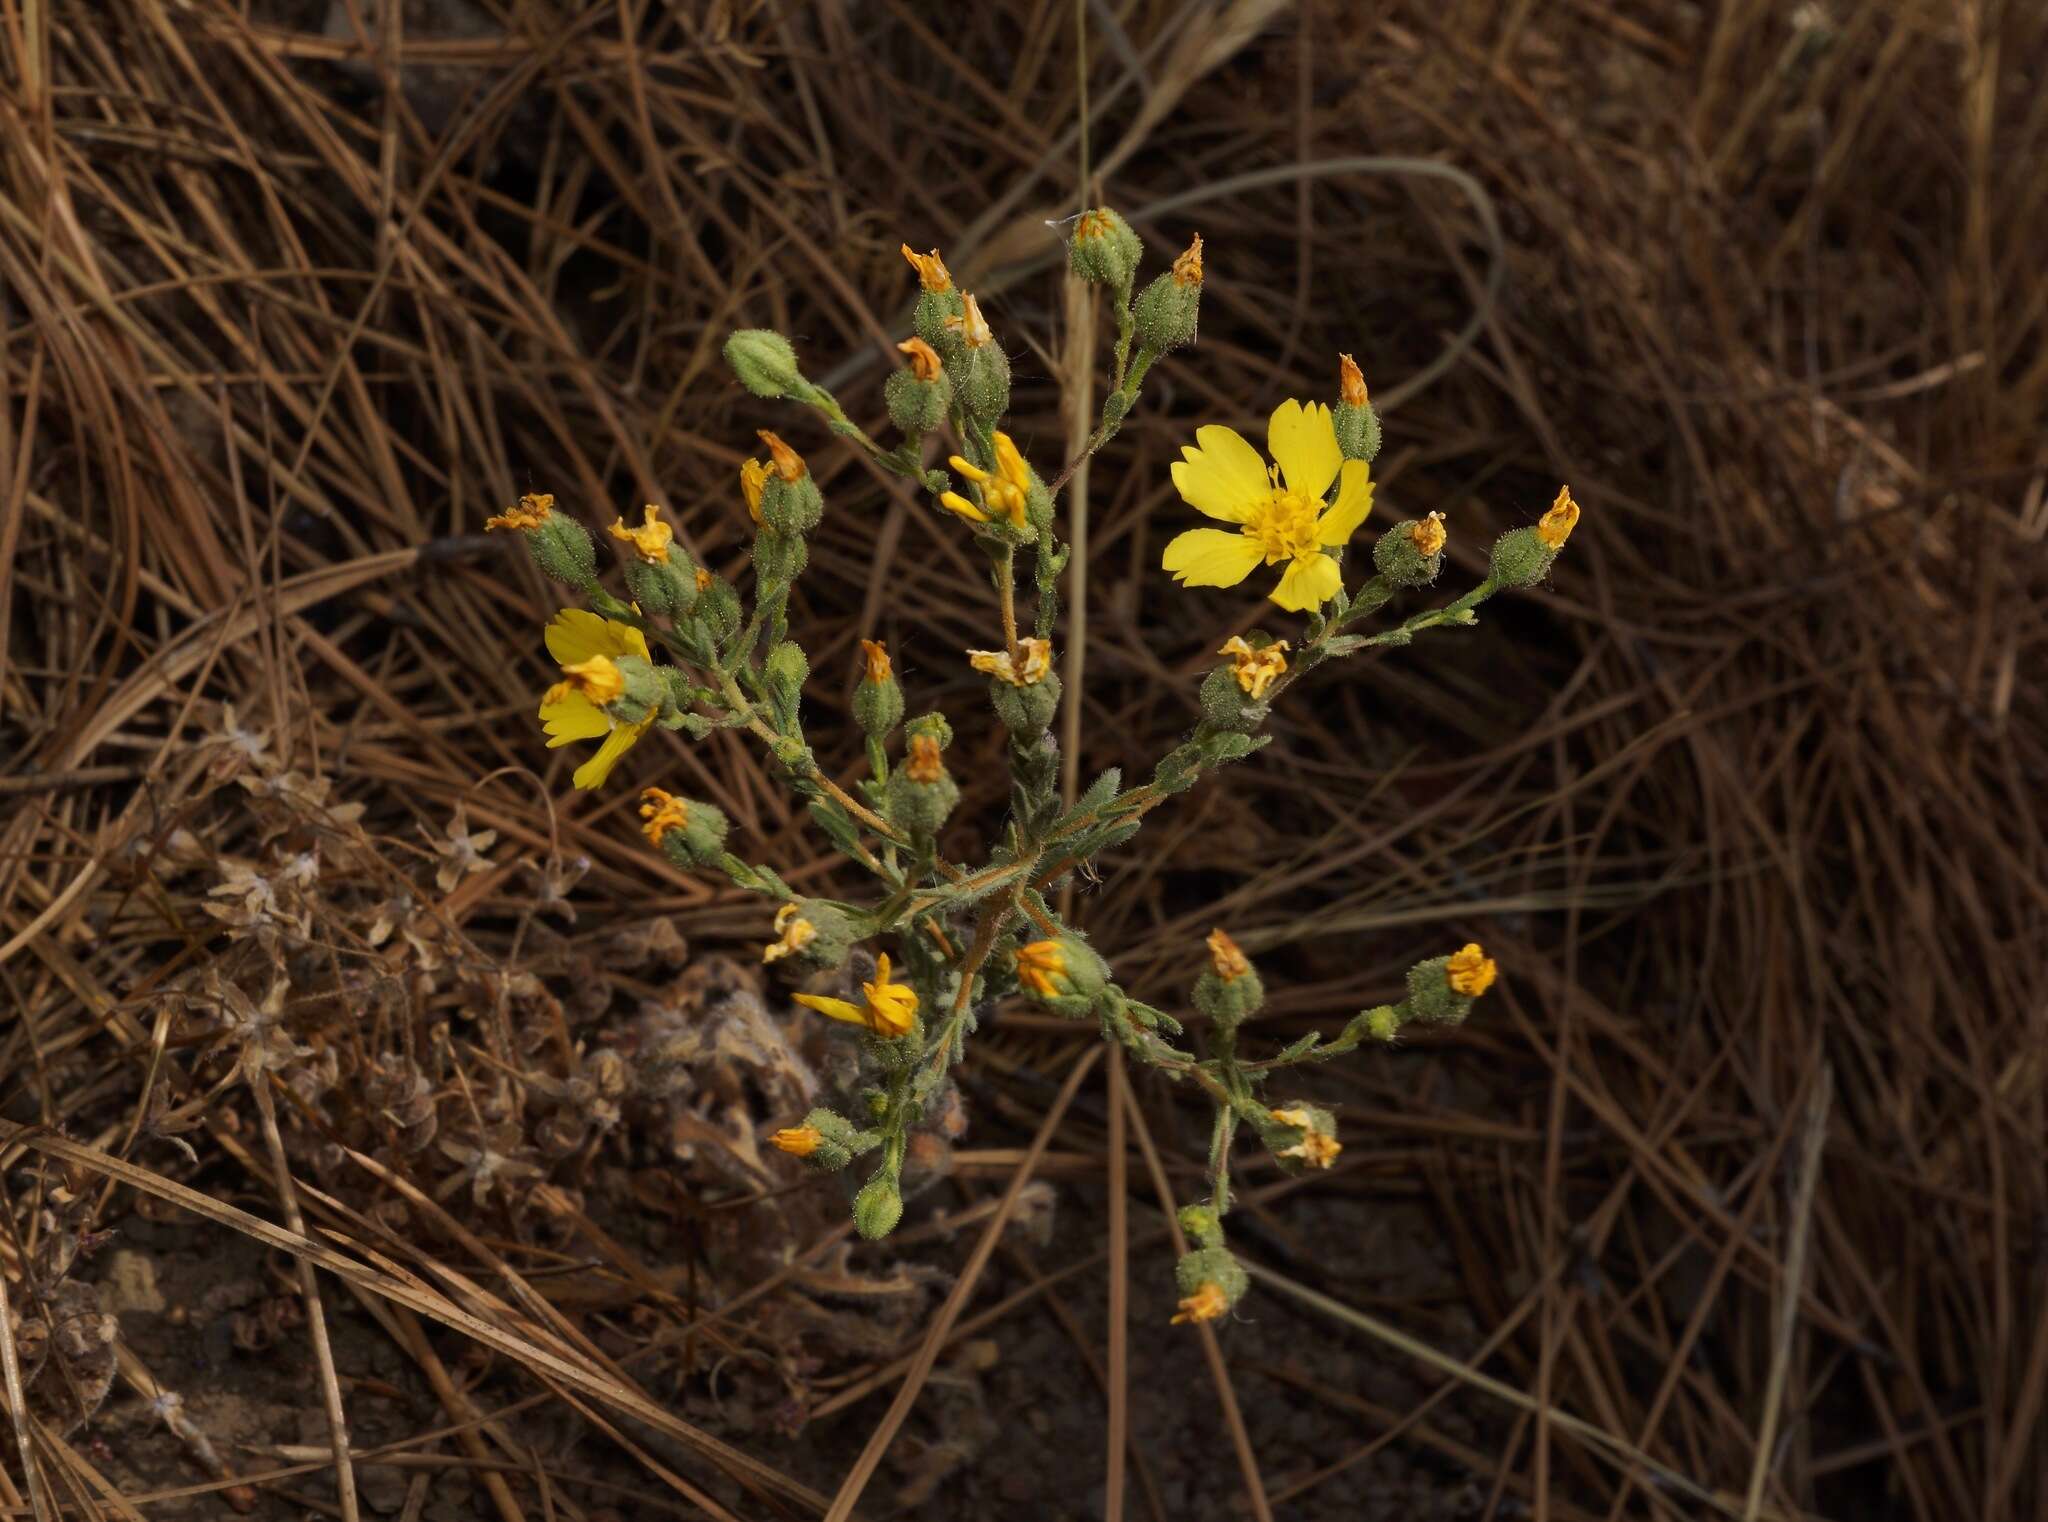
x=1746, y=802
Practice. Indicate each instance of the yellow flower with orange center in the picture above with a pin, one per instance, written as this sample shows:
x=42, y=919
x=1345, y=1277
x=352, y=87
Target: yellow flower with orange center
x=890, y=1008
x=1556, y=526
x=793, y=933
x=1042, y=968
x=1279, y=511
x=1429, y=534
x=798, y=1141
x=1207, y=1303
x=1005, y=490
x=931, y=269
x=1470, y=971
x=1257, y=669
x=651, y=540
x=1025, y=668
x=588, y=648
x=1230, y=962
x=753, y=481
x=663, y=812
x=531, y=512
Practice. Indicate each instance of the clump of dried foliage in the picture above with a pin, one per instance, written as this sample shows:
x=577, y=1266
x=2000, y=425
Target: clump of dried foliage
x=1736, y=1185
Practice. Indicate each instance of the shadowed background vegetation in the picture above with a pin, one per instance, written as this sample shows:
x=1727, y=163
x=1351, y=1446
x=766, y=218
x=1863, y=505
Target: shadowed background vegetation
x=1729, y=1200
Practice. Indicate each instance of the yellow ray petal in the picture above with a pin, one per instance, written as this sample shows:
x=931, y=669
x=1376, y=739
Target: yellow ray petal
x=1223, y=477
x=1354, y=500
x=593, y=772
x=837, y=1009
x=575, y=634
x=1303, y=442
x=573, y=717
x=1211, y=557
x=1309, y=583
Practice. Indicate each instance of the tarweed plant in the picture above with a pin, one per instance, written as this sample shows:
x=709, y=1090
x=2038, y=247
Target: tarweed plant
x=948, y=940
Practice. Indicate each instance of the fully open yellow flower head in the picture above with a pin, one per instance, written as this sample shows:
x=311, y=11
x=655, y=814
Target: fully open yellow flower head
x=1027, y=668
x=586, y=647
x=1041, y=966
x=924, y=359
x=753, y=481
x=1279, y=511
x=531, y=512
x=970, y=324
x=1429, y=535
x=1556, y=526
x=1470, y=971
x=651, y=540
x=663, y=811
x=1007, y=490
x=1207, y=1303
x=798, y=1141
x=889, y=1010
x=931, y=269
x=794, y=933
x=1255, y=670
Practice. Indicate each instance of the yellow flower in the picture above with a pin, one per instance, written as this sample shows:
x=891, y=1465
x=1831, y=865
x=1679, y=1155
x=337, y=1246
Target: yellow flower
x=650, y=542
x=1556, y=526
x=663, y=812
x=795, y=931
x=1207, y=1303
x=532, y=512
x=586, y=647
x=876, y=655
x=931, y=269
x=1037, y=662
x=1006, y=491
x=787, y=463
x=1187, y=269
x=753, y=481
x=1040, y=967
x=1279, y=511
x=972, y=326
x=1317, y=1148
x=1230, y=963
x=925, y=763
x=1350, y=382
x=798, y=1141
x=1256, y=669
x=924, y=359
x=889, y=1011
x=1470, y=971
x=1429, y=534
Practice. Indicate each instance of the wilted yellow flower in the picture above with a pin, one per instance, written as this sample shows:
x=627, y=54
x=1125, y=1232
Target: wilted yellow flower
x=1207, y=1303
x=794, y=932
x=876, y=655
x=1350, y=382
x=1042, y=968
x=972, y=327
x=753, y=481
x=587, y=647
x=1470, y=971
x=785, y=462
x=1556, y=526
x=925, y=763
x=531, y=512
x=1429, y=535
x=889, y=1011
x=798, y=1141
x=1317, y=1147
x=924, y=359
x=1279, y=510
x=931, y=269
x=1256, y=669
x=704, y=580
x=1007, y=490
x=1230, y=962
x=663, y=812
x=1031, y=669
x=651, y=540
x=1187, y=269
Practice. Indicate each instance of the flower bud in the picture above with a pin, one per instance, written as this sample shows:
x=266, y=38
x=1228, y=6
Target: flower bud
x=921, y=794
x=812, y=934
x=790, y=500
x=980, y=365
x=779, y=558
x=1230, y=990
x=785, y=671
x=1411, y=552
x=667, y=587
x=1167, y=309
x=877, y=698
x=1519, y=558
x=1026, y=711
x=826, y=1141
x=878, y=1207
x=1202, y=1224
x=688, y=833
x=935, y=726
x=1064, y=974
x=560, y=546
x=764, y=362
x=920, y=396
x=938, y=303
x=642, y=690
x=1380, y=1023
x=717, y=604
x=1441, y=990
x=1301, y=1136
x=1104, y=251
x=1357, y=422
x=1210, y=1282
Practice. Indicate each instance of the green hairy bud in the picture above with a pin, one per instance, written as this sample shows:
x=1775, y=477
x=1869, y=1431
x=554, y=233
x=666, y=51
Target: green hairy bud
x=878, y=698
x=1211, y=1281
x=825, y=1142
x=878, y=1207
x=813, y=934
x=920, y=396
x=719, y=606
x=1167, y=309
x=1357, y=423
x=934, y=725
x=643, y=693
x=1520, y=559
x=688, y=833
x=1412, y=552
x=764, y=362
x=1441, y=989
x=1027, y=710
x=779, y=558
x=786, y=670
x=1104, y=250
x=1202, y=1224
x=1230, y=990
x=561, y=547
x=667, y=587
